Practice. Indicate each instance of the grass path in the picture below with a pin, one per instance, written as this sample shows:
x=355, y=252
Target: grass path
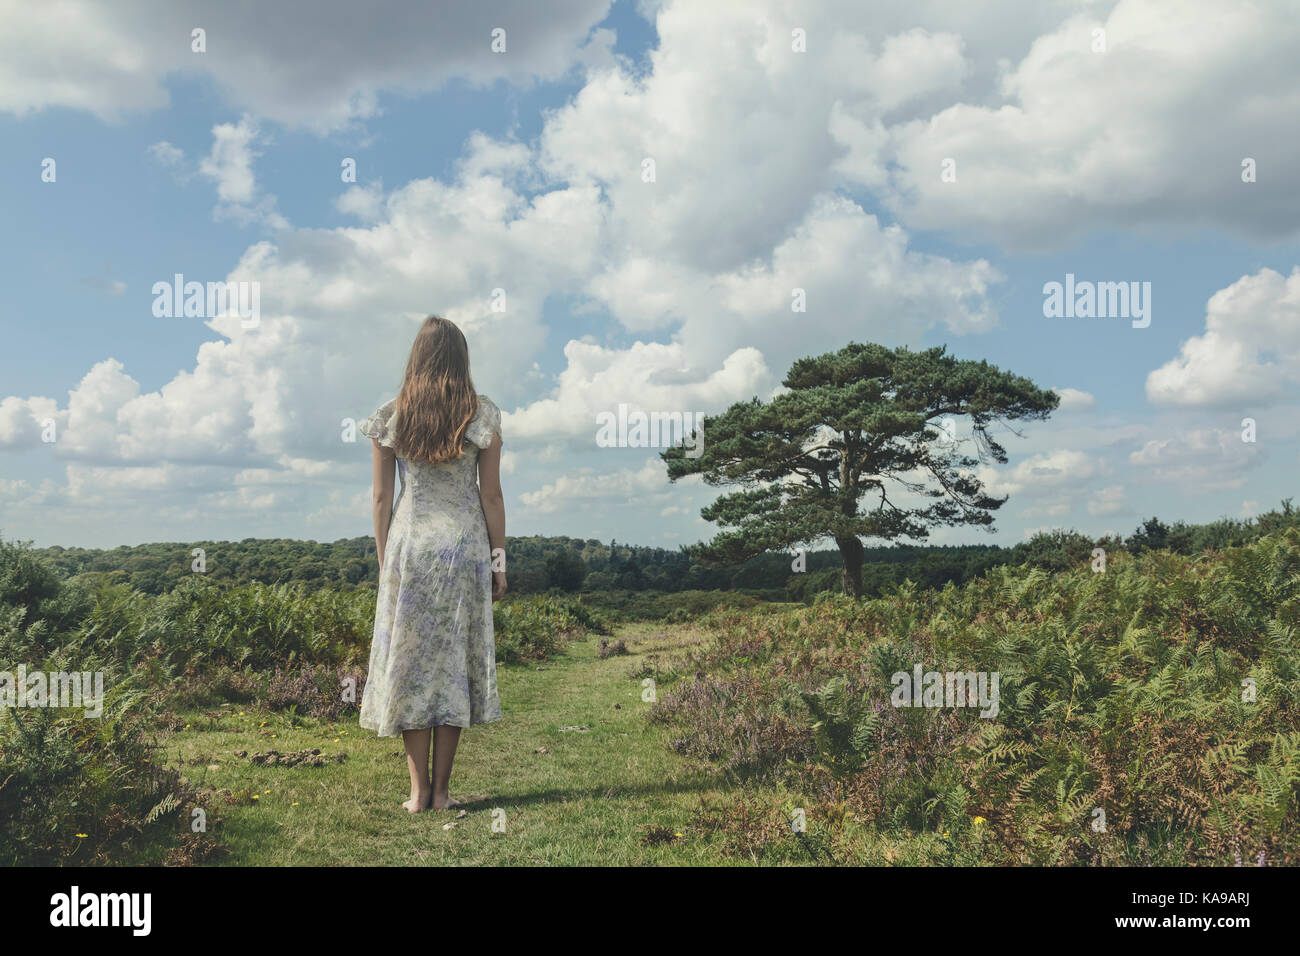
x=588, y=800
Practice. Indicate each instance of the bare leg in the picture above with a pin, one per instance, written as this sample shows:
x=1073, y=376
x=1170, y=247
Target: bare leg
x=445, y=739
x=417, y=762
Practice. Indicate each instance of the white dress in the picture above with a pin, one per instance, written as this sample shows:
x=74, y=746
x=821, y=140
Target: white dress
x=433, y=653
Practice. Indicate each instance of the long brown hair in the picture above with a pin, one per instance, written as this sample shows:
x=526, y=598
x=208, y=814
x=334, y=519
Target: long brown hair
x=437, y=400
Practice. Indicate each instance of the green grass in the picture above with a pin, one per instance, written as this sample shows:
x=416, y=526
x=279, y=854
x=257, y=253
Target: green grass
x=588, y=801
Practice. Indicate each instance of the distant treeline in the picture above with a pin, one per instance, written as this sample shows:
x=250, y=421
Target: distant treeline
x=538, y=564
x=534, y=565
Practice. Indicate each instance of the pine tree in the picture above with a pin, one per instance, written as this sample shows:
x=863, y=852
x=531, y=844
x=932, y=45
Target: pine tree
x=863, y=422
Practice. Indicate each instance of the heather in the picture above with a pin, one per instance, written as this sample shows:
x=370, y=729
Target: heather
x=1163, y=692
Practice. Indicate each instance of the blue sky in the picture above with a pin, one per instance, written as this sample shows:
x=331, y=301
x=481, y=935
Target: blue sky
x=522, y=170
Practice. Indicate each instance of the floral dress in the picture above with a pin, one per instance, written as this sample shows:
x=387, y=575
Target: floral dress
x=433, y=654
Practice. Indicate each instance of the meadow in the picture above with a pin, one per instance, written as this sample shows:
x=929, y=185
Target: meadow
x=1148, y=714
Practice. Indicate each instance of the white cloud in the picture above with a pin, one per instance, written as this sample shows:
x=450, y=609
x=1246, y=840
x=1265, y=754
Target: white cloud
x=22, y=420
x=20, y=495
x=915, y=64
x=336, y=324
x=230, y=166
x=364, y=202
x=1075, y=139
x=166, y=154
x=1249, y=353
x=322, y=64
x=230, y=163
x=589, y=486
x=1074, y=400
x=599, y=379
x=1199, y=460
x=1107, y=501
x=1046, y=473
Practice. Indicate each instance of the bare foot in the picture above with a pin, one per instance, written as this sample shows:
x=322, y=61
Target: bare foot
x=446, y=803
x=417, y=803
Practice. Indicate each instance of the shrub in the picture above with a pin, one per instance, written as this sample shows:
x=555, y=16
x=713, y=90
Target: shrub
x=1120, y=692
x=537, y=627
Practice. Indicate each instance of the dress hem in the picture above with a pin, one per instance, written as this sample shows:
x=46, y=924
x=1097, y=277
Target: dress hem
x=397, y=731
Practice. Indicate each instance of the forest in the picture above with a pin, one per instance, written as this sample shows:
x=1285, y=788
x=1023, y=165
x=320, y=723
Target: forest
x=540, y=564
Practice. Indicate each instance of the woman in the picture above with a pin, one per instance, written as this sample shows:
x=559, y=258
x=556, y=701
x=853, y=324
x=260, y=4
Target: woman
x=433, y=657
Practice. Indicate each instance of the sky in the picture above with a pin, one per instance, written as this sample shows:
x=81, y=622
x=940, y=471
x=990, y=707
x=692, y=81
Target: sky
x=616, y=202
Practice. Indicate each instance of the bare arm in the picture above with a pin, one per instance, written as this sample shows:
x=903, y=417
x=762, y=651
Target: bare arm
x=384, y=464
x=494, y=507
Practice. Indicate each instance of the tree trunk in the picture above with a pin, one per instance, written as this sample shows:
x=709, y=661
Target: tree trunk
x=851, y=551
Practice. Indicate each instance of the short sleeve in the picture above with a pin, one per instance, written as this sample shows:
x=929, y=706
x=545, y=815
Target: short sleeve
x=485, y=423
x=379, y=425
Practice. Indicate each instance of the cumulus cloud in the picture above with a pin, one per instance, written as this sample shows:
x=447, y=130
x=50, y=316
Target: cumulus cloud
x=915, y=64
x=760, y=155
x=1199, y=460
x=1074, y=138
x=323, y=63
x=1249, y=353
x=229, y=165
x=1074, y=400
x=336, y=319
x=571, y=216
x=589, y=486
x=166, y=154
x=1107, y=501
x=599, y=379
x=23, y=420
x=1049, y=473
x=364, y=202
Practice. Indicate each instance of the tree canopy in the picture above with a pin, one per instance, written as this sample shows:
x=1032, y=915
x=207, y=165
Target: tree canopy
x=865, y=422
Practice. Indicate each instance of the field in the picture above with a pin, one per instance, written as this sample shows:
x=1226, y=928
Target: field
x=1147, y=714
